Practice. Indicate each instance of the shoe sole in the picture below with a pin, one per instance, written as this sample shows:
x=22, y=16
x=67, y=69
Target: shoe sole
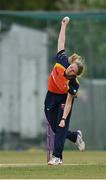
x=80, y=134
x=54, y=164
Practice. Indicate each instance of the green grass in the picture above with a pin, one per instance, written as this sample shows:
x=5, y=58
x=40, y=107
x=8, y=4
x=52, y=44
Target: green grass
x=32, y=165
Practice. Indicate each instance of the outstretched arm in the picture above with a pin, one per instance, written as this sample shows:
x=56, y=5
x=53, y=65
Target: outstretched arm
x=61, y=38
x=67, y=109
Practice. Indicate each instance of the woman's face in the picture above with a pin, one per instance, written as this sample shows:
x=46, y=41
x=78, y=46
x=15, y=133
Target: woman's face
x=72, y=70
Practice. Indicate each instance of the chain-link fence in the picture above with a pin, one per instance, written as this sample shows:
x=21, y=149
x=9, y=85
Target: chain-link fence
x=28, y=42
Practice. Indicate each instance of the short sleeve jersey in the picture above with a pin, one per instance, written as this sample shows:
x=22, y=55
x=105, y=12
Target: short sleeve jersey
x=57, y=81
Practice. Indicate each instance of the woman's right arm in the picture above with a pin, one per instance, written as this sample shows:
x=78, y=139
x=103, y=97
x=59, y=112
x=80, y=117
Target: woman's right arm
x=61, y=38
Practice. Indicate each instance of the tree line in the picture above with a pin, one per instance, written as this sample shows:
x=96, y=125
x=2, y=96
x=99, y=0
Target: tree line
x=49, y=5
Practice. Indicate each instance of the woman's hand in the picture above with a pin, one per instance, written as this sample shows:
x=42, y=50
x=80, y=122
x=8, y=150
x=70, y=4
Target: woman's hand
x=62, y=123
x=65, y=20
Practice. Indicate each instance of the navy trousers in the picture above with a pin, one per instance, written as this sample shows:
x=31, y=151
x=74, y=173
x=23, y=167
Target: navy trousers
x=54, y=107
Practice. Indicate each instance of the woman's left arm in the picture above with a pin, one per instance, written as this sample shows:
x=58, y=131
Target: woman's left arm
x=67, y=109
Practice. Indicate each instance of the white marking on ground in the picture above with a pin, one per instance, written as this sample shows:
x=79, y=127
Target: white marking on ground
x=44, y=164
x=56, y=179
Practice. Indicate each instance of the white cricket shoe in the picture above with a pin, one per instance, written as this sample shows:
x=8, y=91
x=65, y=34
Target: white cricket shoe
x=55, y=161
x=80, y=142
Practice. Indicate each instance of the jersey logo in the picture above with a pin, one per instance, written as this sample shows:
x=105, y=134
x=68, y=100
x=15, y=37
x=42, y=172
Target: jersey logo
x=62, y=106
x=75, y=91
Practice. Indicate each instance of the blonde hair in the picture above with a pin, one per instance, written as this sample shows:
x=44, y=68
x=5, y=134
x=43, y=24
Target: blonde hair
x=75, y=58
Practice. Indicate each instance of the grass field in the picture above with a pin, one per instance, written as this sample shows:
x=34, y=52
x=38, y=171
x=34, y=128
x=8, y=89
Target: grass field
x=32, y=165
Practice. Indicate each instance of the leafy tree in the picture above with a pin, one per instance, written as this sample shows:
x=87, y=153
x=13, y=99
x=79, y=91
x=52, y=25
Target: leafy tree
x=52, y=5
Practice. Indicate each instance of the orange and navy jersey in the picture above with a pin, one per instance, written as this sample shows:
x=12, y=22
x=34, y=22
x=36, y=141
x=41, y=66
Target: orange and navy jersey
x=57, y=82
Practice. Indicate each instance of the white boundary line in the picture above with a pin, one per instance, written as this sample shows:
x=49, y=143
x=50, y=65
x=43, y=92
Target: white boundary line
x=44, y=164
x=55, y=179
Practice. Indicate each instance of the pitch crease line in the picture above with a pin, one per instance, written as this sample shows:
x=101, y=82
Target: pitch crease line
x=43, y=164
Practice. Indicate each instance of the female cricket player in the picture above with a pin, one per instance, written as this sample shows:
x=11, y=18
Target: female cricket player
x=62, y=90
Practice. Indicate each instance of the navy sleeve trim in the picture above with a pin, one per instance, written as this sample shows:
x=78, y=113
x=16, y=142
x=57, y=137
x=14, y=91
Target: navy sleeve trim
x=60, y=52
x=62, y=58
x=73, y=87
